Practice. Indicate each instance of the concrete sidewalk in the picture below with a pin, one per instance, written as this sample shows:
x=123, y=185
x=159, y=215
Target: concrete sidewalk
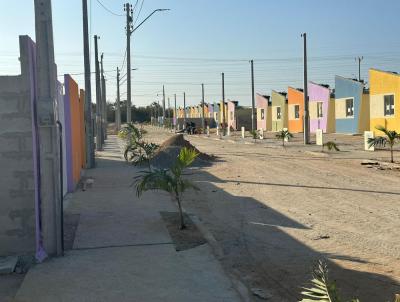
x=122, y=249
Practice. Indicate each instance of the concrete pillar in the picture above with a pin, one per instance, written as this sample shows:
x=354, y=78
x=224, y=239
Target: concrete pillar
x=118, y=116
x=50, y=189
x=208, y=130
x=243, y=132
x=319, y=137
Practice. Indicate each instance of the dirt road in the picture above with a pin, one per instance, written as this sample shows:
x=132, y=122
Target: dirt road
x=277, y=211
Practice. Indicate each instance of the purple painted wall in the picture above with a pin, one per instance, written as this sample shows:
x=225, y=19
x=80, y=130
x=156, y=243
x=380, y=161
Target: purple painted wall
x=68, y=135
x=318, y=93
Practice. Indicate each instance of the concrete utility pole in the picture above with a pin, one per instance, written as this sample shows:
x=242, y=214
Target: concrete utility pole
x=99, y=134
x=359, y=59
x=129, y=11
x=223, y=102
x=163, y=105
x=118, y=107
x=175, y=113
x=202, y=106
x=253, y=105
x=168, y=114
x=103, y=101
x=306, y=117
x=90, y=161
x=49, y=215
x=184, y=108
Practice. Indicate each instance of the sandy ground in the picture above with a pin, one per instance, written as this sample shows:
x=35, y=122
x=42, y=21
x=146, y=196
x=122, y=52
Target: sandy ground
x=275, y=211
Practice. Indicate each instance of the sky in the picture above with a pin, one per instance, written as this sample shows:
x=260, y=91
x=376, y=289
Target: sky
x=196, y=41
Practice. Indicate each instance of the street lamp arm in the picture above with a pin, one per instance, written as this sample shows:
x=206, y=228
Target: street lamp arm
x=157, y=10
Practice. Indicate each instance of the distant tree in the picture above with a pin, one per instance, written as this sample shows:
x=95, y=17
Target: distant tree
x=284, y=135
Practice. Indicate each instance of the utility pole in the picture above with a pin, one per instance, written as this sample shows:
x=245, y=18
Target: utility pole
x=129, y=11
x=175, y=113
x=49, y=238
x=98, y=97
x=169, y=113
x=184, y=108
x=103, y=102
x=118, y=108
x=163, y=105
x=223, y=102
x=253, y=105
x=306, y=117
x=359, y=59
x=88, y=91
x=202, y=106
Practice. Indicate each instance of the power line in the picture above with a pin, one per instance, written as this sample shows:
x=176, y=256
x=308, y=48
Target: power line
x=107, y=9
x=140, y=10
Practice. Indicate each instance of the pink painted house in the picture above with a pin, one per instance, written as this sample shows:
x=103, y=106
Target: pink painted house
x=321, y=108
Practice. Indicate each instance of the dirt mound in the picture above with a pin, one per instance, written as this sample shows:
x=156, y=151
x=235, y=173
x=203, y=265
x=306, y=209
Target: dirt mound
x=169, y=151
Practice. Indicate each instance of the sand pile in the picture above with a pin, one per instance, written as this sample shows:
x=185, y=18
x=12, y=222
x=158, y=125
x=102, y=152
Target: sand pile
x=169, y=151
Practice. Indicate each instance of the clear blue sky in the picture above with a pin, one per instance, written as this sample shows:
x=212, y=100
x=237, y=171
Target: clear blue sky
x=197, y=40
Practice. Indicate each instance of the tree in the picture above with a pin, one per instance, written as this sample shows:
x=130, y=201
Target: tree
x=169, y=180
x=391, y=138
x=139, y=152
x=284, y=135
x=322, y=290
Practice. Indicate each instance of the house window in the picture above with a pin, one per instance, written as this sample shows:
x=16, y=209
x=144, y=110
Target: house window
x=389, y=104
x=262, y=114
x=349, y=107
x=278, y=113
x=319, y=110
x=296, y=112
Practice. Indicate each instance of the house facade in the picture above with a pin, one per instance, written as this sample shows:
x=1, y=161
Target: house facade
x=351, y=106
x=321, y=108
x=279, y=111
x=384, y=100
x=263, y=112
x=295, y=110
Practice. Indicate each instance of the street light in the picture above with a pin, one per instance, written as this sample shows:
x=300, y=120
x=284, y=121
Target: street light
x=156, y=10
x=129, y=32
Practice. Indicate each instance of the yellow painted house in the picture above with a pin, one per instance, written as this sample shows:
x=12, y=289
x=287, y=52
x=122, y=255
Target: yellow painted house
x=384, y=100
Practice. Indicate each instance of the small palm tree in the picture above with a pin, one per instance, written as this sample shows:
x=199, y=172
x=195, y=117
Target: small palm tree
x=169, y=180
x=131, y=133
x=254, y=134
x=284, y=135
x=330, y=146
x=322, y=290
x=140, y=152
x=391, y=138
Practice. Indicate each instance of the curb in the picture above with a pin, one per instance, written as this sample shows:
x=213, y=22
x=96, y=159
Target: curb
x=217, y=250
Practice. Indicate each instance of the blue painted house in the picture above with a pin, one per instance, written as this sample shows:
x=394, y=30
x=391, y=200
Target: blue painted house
x=351, y=106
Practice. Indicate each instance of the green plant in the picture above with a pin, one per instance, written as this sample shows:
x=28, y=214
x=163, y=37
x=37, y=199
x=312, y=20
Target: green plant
x=391, y=138
x=284, y=135
x=254, y=134
x=330, y=146
x=322, y=290
x=140, y=152
x=169, y=180
x=131, y=133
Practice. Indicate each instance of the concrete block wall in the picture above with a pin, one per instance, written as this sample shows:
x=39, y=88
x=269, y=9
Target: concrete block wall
x=17, y=156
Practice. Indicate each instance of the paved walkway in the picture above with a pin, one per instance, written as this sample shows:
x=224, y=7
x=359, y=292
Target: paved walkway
x=122, y=249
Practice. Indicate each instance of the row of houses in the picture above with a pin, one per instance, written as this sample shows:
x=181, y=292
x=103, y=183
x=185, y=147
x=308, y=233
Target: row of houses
x=213, y=112
x=350, y=107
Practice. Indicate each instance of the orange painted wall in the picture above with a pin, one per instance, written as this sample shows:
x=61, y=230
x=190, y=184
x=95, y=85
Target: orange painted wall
x=75, y=131
x=295, y=97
